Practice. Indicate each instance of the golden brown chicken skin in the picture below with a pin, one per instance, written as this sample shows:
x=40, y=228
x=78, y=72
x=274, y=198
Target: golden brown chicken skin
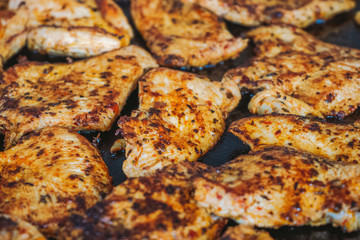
x=157, y=207
x=300, y=13
x=84, y=95
x=13, y=228
x=183, y=34
x=67, y=27
x=333, y=141
x=181, y=116
x=280, y=186
x=292, y=62
x=49, y=175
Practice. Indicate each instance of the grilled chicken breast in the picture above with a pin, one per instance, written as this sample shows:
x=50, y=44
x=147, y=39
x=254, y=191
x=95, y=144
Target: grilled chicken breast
x=296, y=64
x=300, y=13
x=244, y=232
x=280, y=186
x=183, y=34
x=156, y=207
x=67, y=27
x=84, y=95
x=333, y=141
x=49, y=175
x=12, y=33
x=181, y=116
x=13, y=228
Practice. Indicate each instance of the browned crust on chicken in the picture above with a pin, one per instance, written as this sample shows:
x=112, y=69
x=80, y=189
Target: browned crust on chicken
x=333, y=141
x=157, y=207
x=300, y=13
x=279, y=186
x=243, y=232
x=97, y=26
x=49, y=175
x=322, y=75
x=13, y=228
x=182, y=34
x=181, y=117
x=84, y=95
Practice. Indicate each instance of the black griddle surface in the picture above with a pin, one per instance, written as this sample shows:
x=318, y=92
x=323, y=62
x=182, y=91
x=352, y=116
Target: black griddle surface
x=341, y=30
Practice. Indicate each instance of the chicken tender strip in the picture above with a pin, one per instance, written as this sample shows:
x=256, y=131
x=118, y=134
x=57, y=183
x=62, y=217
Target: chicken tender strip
x=51, y=173
x=243, y=232
x=333, y=141
x=157, y=207
x=181, y=116
x=300, y=13
x=324, y=76
x=69, y=28
x=84, y=95
x=279, y=186
x=13, y=228
x=274, y=101
x=183, y=34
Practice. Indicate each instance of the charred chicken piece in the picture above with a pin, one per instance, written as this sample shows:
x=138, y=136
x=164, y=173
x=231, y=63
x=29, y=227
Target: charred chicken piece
x=181, y=116
x=51, y=174
x=280, y=186
x=333, y=141
x=300, y=13
x=320, y=75
x=13, y=228
x=63, y=27
x=244, y=232
x=183, y=34
x=156, y=207
x=84, y=95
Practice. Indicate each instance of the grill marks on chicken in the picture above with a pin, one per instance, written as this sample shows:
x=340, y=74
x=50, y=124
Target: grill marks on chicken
x=65, y=27
x=181, y=116
x=156, y=207
x=13, y=228
x=183, y=34
x=301, y=13
x=333, y=141
x=84, y=95
x=49, y=175
x=279, y=186
x=295, y=64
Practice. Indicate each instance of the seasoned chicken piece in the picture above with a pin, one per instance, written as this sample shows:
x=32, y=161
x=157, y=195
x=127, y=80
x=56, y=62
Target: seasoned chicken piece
x=12, y=33
x=243, y=232
x=183, y=34
x=274, y=101
x=278, y=186
x=300, y=13
x=13, y=228
x=181, y=116
x=333, y=141
x=84, y=95
x=49, y=175
x=321, y=75
x=70, y=28
x=357, y=17
x=157, y=207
